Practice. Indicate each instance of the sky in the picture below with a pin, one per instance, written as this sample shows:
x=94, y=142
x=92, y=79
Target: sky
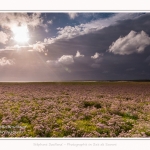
x=74, y=46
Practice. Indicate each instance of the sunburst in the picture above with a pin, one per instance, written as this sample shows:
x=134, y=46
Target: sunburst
x=21, y=34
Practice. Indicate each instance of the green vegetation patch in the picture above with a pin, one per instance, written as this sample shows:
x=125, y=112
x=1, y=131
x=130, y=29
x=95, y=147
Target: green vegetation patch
x=85, y=126
x=91, y=104
x=128, y=115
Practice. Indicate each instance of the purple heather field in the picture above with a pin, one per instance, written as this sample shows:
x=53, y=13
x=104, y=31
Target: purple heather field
x=75, y=109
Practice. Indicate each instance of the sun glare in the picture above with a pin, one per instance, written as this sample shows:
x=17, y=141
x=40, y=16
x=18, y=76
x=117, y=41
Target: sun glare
x=21, y=34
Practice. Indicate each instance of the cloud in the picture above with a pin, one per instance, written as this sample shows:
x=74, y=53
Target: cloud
x=69, y=32
x=18, y=47
x=66, y=59
x=33, y=65
x=46, y=30
x=39, y=47
x=3, y=37
x=10, y=19
x=53, y=63
x=72, y=15
x=131, y=43
x=4, y=61
x=45, y=26
x=96, y=55
x=50, y=22
x=49, y=40
x=99, y=41
x=78, y=54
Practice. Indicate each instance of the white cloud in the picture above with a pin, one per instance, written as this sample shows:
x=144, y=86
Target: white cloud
x=66, y=59
x=50, y=61
x=96, y=55
x=45, y=26
x=72, y=15
x=50, y=22
x=3, y=37
x=49, y=40
x=69, y=32
x=46, y=30
x=4, y=61
x=17, y=47
x=35, y=20
x=102, y=23
x=10, y=19
x=78, y=54
x=131, y=43
x=39, y=47
x=53, y=63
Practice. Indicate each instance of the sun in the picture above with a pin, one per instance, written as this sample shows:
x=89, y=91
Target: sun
x=21, y=34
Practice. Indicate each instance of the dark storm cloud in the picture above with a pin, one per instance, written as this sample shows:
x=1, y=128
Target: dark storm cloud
x=111, y=66
x=148, y=60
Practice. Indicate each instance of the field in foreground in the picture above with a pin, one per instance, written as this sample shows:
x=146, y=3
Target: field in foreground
x=77, y=109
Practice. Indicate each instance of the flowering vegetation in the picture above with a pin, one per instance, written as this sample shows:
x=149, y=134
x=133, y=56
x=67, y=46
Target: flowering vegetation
x=75, y=109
